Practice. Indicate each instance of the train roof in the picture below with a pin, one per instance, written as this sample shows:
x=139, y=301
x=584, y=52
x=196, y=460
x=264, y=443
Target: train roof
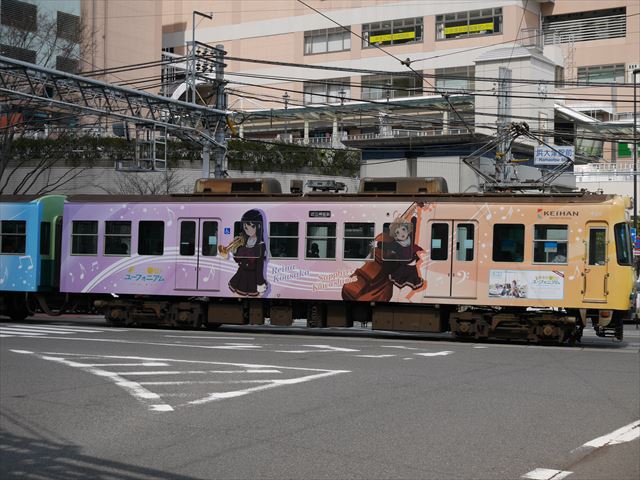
x=574, y=197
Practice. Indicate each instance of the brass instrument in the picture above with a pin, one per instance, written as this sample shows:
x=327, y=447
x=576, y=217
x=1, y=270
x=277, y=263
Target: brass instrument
x=234, y=245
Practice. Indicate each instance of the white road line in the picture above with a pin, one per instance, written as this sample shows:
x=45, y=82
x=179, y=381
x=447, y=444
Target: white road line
x=205, y=382
x=56, y=329
x=12, y=331
x=435, y=354
x=138, y=391
x=204, y=336
x=402, y=347
x=375, y=356
x=143, y=364
x=3, y=335
x=546, y=474
x=321, y=348
x=627, y=433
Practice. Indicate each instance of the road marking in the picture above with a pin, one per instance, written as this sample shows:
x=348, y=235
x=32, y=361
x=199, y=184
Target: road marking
x=375, y=356
x=204, y=336
x=435, y=354
x=402, y=347
x=20, y=330
x=143, y=364
x=155, y=401
x=322, y=348
x=627, y=433
x=546, y=474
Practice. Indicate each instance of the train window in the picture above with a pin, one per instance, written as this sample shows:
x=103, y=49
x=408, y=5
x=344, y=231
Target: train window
x=187, y=238
x=209, y=238
x=283, y=239
x=150, y=237
x=508, y=242
x=597, y=246
x=624, y=251
x=45, y=238
x=117, y=238
x=358, y=240
x=321, y=240
x=13, y=237
x=550, y=243
x=464, y=242
x=84, y=237
x=439, y=241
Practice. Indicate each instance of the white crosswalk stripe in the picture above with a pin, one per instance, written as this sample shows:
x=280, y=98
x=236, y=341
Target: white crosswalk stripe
x=23, y=330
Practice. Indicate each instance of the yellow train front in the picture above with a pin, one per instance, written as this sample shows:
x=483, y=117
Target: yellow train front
x=534, y=266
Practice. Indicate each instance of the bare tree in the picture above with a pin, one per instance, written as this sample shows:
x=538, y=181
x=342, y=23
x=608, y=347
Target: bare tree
x=54, y=41
x=160, y=183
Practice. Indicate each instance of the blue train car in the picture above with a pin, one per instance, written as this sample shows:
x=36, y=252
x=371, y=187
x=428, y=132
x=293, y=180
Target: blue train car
x=29, y=236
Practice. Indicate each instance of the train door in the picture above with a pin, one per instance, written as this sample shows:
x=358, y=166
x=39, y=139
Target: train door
x=198, y=243
x=595, y=288
x=452, y=264
x=208, y=271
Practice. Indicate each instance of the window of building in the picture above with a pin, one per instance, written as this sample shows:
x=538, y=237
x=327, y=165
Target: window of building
x=21, y=15
x=321, y=240
x=84, y=237
x=601, y=74
x=187, y=238
x=358, y=240
x=327, y=91
x=283, y=239
x=439, y=241
x=465, y=233
x=17, y=53
x=150, y=237
x=66, y=64
x=381, y=87
x=392, y=32
x=550, y=243
x=508, y=242
x=209, y=238
x=45, y=238
x=585, y=26
x=456, y=79
x=68, y=27
x=624, y=252
x=326, y=40
x=117, y=238
x=467, y=24
x=13, y=237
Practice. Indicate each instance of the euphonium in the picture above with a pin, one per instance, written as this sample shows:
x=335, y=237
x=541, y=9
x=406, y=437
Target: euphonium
x=236, y=243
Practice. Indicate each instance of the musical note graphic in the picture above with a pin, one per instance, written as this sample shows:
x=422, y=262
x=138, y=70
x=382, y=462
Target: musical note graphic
x=576, y=273
x=508, y=215
x=487, y=216
x=27, y=260
x=5, y=275
x=172, y=216
x=94, y=266
x=82, y=272
x=211, y=274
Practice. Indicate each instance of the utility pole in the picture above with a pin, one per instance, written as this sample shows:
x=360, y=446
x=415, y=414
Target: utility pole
x=636, y=71
x=221, y=104
x=504, y=114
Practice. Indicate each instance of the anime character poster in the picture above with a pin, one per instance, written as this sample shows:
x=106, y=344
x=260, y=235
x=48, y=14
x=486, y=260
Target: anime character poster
x=249, y=252
x=395, y=263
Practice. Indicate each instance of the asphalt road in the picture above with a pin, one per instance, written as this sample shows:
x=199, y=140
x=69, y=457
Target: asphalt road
x=79, y=400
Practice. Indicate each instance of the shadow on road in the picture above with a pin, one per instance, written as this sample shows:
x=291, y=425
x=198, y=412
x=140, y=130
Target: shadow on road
x=23, y=457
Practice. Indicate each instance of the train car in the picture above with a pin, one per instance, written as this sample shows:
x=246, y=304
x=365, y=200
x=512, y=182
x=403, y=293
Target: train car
x=532, y=266
x=29, y=239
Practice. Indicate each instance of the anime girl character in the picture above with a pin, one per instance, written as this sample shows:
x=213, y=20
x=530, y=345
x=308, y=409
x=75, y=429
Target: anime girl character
x=250, y=256
x=395, y=264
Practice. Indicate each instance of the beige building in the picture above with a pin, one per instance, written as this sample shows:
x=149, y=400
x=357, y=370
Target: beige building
x=310, y=73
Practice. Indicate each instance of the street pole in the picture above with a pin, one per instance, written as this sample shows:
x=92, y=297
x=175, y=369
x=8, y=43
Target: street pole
x=221, y=104
x=285, y=97
x=193, y=51
x=636, y=71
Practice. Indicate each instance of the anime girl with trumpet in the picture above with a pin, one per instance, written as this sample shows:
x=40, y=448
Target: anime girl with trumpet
x=249, y=252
